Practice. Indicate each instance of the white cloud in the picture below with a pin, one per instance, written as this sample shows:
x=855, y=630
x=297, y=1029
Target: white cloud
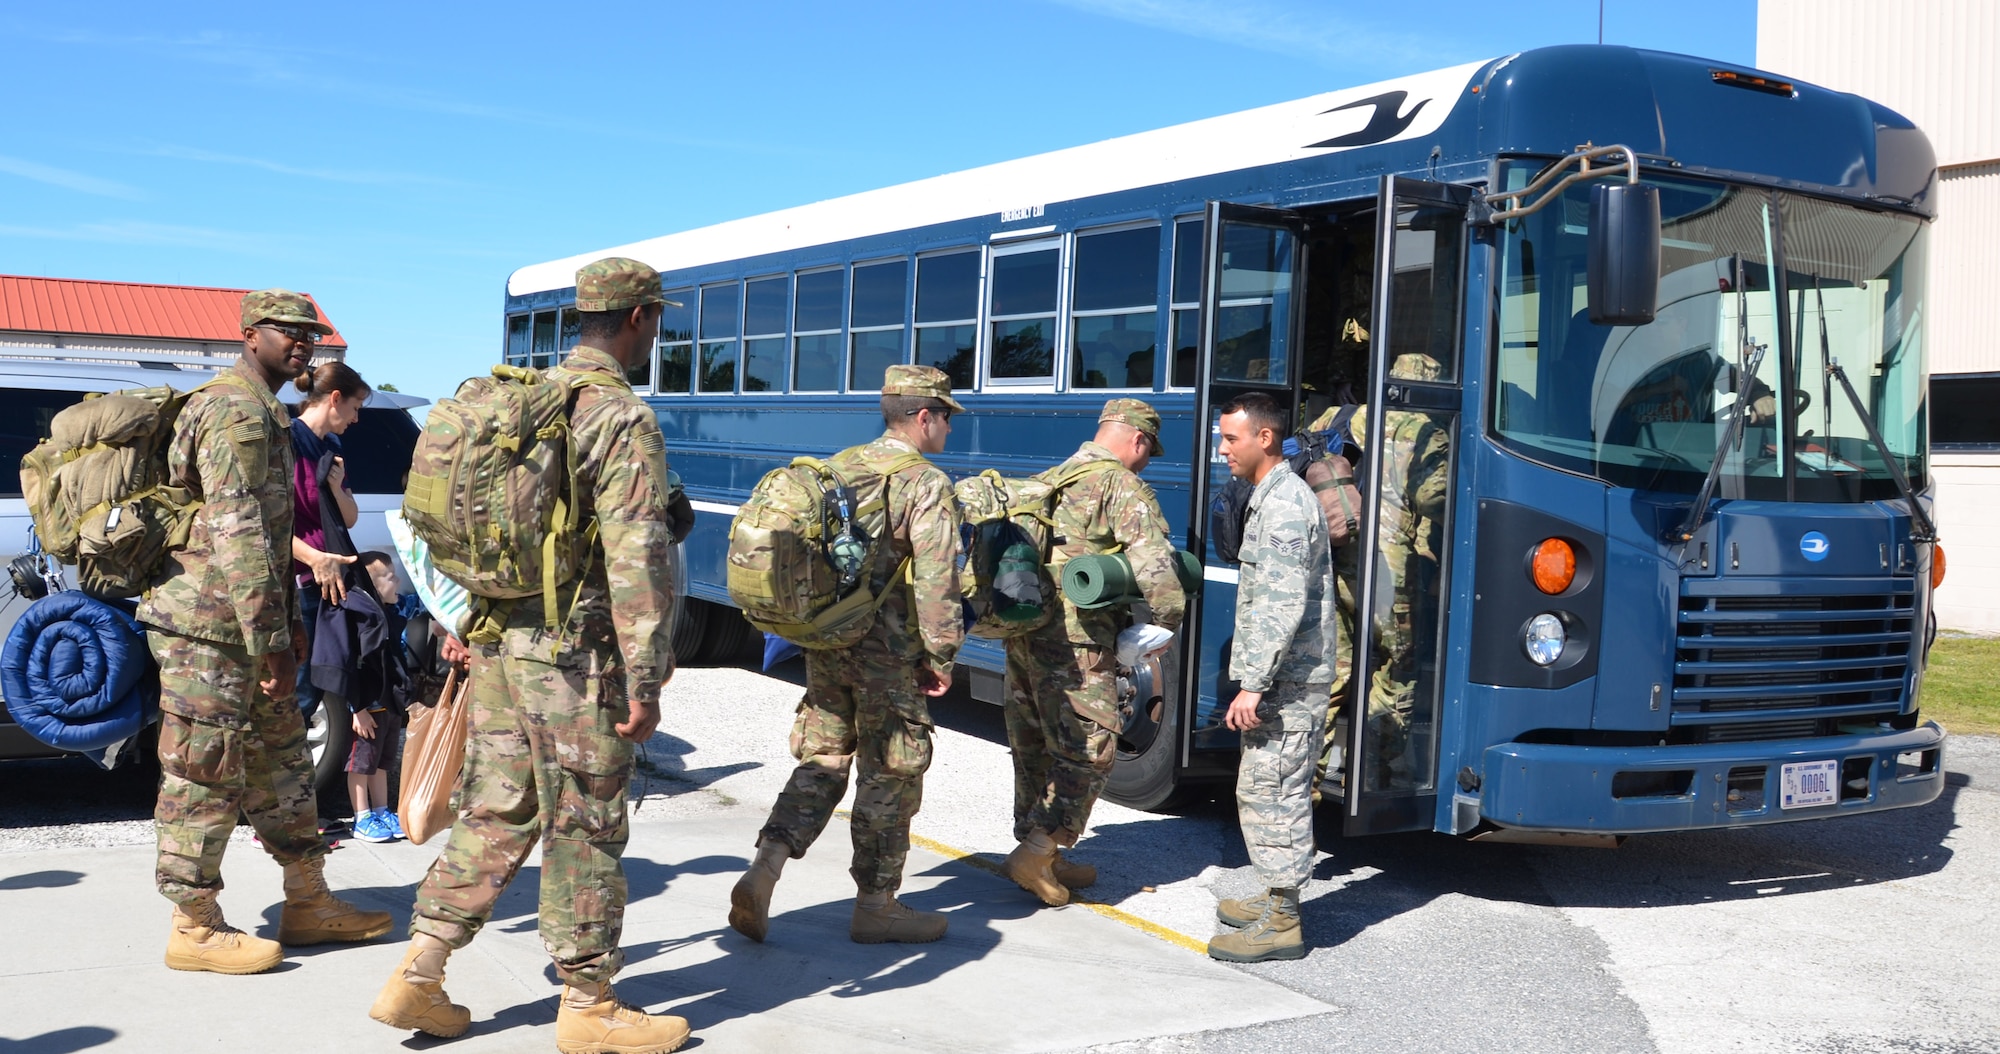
x=1308, y=31
x=68, y=180
x=334, y=175
x=140, y=232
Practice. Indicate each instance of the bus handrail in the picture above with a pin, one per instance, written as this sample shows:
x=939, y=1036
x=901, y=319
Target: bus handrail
x=1584, y=155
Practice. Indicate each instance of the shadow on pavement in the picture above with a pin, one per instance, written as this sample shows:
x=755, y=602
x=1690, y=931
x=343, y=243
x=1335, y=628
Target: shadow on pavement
x=809, y=953
x=61, y=1041
x=1393, y=874
x=41, y=880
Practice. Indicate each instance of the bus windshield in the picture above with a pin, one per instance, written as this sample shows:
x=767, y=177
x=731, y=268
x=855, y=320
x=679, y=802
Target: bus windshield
x=1648, y=406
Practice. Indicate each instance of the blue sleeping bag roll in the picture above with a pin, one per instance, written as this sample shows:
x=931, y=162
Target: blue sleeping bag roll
x=77, y=673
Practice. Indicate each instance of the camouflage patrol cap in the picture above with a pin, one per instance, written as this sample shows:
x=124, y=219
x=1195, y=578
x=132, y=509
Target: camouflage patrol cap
x=1137, y=414
x=282, y=305
x=617, y=283
x=925, y=381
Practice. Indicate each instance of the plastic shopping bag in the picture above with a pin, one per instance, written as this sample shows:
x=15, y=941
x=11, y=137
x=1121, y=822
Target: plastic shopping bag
x=433, y=754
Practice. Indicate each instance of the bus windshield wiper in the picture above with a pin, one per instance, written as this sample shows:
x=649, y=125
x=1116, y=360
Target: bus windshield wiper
x=1925, y=531
x=1732, y=435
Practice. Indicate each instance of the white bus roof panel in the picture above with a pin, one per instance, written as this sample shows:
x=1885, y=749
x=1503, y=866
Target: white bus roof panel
x=1268, y=135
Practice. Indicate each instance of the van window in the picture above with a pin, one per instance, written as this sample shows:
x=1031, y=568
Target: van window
x=24, y=421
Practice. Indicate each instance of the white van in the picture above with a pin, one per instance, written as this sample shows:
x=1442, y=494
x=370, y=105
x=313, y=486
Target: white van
x=33, y=390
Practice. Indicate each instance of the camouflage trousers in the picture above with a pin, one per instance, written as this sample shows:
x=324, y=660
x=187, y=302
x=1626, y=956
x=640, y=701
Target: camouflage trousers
x=227, y=751
x=862, y=709
x=1274, y=783
x=543, y=763
x=1392, y=685
x=1062, y=722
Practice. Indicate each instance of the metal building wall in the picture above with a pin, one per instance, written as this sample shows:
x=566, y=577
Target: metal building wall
x=1932, y=61
x=1936, y=62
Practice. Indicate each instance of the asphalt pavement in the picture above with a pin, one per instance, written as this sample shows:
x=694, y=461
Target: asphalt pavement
x=1868, y=934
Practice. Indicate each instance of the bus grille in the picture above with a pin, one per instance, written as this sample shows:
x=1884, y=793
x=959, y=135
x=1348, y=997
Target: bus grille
x=1749, y=664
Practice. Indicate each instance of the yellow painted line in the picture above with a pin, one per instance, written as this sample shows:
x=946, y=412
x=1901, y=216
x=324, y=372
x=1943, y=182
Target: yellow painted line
x=1151, y=929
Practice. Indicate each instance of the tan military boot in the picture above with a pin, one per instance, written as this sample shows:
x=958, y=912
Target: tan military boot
x=879, y=918
x=1073, y=875
x=593, y=1021
x=1275, y=935
x=201, y=940
x=1241, y=913
x=1031, y=866
x=313, y=914
x=750, y=901
x=414, y=996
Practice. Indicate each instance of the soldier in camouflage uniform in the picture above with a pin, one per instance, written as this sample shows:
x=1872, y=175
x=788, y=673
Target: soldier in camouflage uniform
x=554, y=717
x=1415, y=485
x=1282, y=659
x=225, y=627
x=866, y=705
x=1062, y=679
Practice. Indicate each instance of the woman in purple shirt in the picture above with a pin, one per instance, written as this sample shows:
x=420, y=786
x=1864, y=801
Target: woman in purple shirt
x=333, y=397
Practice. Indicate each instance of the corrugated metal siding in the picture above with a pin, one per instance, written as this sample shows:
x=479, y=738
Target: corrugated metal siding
x=1932, y=61
x=1965, y=256
x=124, y=309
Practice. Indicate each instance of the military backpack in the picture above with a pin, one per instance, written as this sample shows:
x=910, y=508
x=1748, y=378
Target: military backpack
x=98, y=492
x=806, y=549
x=492, y=486
x=1011, y=565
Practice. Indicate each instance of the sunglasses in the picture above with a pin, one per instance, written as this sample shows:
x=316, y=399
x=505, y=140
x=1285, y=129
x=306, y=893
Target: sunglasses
x=936, y=411
x=298, y=333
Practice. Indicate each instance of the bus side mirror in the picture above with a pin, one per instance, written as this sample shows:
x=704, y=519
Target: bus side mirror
x=1623, y=266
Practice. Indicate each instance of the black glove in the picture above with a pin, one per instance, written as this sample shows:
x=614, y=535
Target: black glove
x=680, y=515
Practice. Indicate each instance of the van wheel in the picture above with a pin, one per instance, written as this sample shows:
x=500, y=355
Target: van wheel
x=329, y=742
x=1144, y=776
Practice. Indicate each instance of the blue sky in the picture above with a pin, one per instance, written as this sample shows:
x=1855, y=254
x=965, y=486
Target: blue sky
x=399, y=160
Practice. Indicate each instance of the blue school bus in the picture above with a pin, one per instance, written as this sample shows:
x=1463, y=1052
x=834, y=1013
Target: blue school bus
x=1646, y=538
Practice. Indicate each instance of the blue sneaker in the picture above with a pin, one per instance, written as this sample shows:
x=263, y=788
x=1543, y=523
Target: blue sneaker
x=395, y=823
x=369, y=828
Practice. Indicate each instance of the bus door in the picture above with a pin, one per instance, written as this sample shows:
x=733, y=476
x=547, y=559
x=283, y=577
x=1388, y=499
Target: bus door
x=1391, y=771
x=1251, y=299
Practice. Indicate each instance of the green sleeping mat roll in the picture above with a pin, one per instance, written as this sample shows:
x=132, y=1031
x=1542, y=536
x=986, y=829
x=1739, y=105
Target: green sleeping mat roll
x=1092, y=582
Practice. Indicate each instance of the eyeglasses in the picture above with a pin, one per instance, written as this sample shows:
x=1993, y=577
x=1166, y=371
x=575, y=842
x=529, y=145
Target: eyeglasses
x=936, y=411
x=297, y=333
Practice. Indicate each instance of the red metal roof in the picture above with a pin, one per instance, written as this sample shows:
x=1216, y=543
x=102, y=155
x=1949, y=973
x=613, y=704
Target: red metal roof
x=126, y=309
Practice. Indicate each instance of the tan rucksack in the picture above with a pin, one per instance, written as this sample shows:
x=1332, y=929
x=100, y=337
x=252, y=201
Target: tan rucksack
x=805, y=549
x=1009, y=575
x=97, y=488
x=492, y=484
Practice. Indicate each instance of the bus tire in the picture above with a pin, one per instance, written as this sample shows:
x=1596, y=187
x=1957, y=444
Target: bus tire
x=690, y=625
x=730, y=639
x=1145, y=776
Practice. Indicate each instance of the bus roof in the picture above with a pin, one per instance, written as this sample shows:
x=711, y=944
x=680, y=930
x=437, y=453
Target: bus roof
x=1383, y=112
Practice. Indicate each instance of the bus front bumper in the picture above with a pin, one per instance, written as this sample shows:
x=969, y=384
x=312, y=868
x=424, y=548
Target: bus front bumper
x=1636, y=790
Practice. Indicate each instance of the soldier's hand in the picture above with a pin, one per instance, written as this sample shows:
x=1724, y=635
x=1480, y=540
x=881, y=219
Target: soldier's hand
x=645, y=717
x=933, y=684
x=680, y=515
x=1242, y=715
x=454, y=651
x=281, y=683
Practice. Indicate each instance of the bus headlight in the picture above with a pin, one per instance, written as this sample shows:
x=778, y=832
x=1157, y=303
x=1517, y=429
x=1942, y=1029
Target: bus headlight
x=1545, y=639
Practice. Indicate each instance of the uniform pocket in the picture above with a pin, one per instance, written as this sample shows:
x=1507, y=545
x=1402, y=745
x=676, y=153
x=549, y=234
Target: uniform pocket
x=200, y=753
x=906, y=752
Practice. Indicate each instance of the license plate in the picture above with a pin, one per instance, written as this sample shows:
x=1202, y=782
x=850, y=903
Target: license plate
x=1805, y=783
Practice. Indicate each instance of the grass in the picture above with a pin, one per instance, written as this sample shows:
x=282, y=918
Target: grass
x=1962, y=686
